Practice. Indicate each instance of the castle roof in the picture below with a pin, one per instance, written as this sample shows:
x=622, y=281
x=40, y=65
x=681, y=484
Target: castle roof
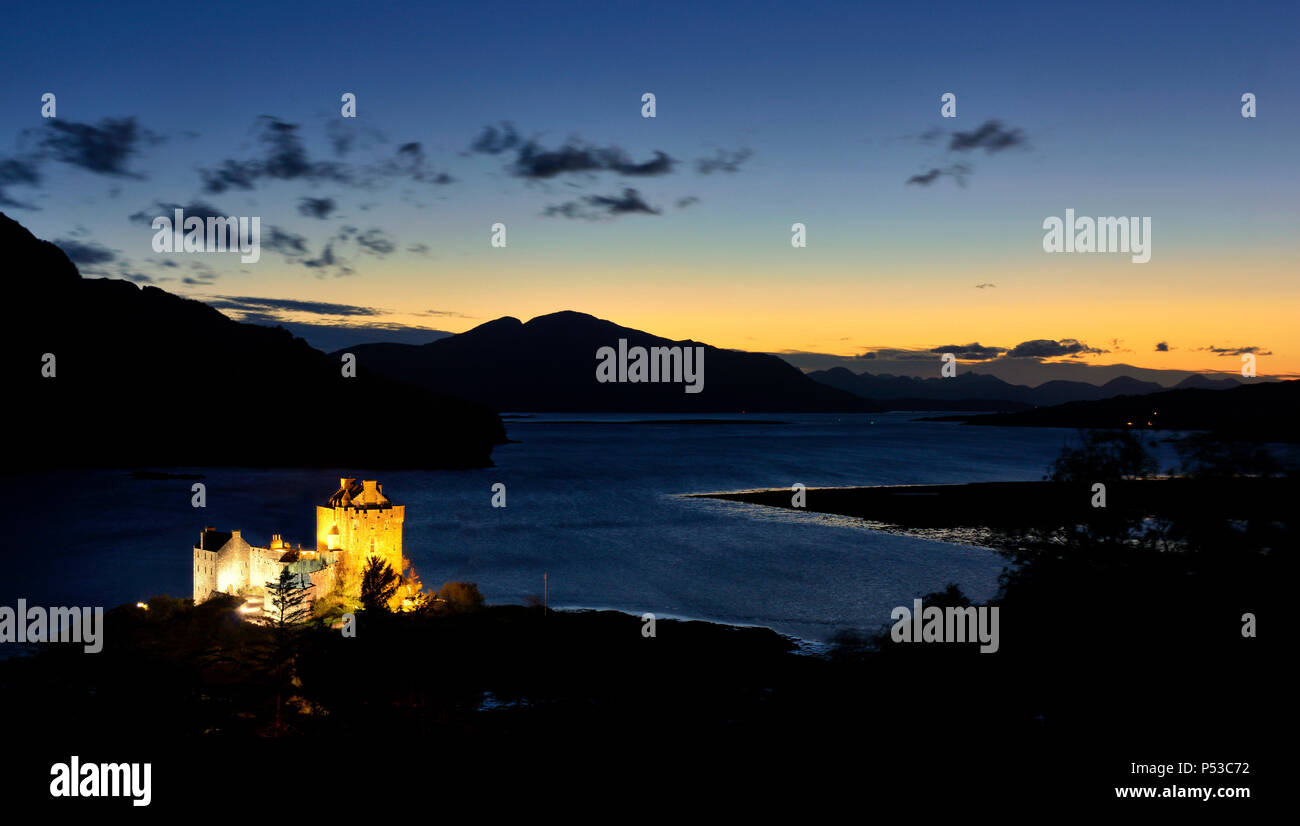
x=212, y=539
x=367, y=493
x=234, y=543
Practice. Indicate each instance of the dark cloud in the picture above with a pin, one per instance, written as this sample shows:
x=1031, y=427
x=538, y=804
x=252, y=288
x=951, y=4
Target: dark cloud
x=1162, y=347
x=328, y=260
x=990, y=136
x=689, y=200
x=661, y=164
x=341, y=136
x=1237, y=351
x=346, y=134
x=930, y=135
x=445, y=314
x=18, y=171
x=1037, y=349
x=103, y=148
x=492, y=141
x=204, y=275
x=1047, y=348
x=957, y=172
x=375, y=242
x=984, y=285
x=316, y=207
x=410, y=162
x=536, y=162
x=253, y=304
x=895, y=353
x=970, y=352
x=629, y=201
x=231, y=175
x=288, y=244
x=723, y=161
x=167, y=209
x=284, y=158
x=79, y=252
x=419, y=249
x=592, y=207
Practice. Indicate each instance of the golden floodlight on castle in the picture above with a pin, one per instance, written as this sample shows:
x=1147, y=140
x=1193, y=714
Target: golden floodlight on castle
x=357, y=522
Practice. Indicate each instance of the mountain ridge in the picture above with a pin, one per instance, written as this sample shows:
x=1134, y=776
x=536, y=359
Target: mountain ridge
x=548, y=364
x=142, y=377
x=988, y=391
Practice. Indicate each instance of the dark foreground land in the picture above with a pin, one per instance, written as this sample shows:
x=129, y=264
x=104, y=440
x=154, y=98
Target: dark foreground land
x=513, y=703
x=1145, y=632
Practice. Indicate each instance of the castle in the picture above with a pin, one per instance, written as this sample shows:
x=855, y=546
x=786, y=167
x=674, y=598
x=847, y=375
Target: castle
x=357, y=522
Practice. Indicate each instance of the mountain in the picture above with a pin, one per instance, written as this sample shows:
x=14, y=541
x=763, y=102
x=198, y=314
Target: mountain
x=146, y=378
x=1262, y=412
x=978, y=391
x=550, y=364
x=1207, y=383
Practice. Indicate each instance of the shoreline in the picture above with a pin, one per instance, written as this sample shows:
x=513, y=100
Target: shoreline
x=966, y=511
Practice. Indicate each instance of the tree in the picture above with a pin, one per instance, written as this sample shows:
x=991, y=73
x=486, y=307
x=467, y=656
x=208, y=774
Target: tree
x=461, y=596
x=1211, y=456
x=1104, y=456
x=378, y=584
x=286, y=601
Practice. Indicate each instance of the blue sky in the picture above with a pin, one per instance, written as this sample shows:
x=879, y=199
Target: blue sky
x=1119, y=111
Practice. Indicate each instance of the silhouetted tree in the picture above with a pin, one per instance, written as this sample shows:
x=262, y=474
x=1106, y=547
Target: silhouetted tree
x=461, y=596
x=1102, y=456
x=378, y=584
x=1206, y=456
x=286, y=601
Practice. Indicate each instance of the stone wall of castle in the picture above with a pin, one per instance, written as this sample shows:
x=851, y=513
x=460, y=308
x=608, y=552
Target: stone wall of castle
x=233, y=563
x=205, y=574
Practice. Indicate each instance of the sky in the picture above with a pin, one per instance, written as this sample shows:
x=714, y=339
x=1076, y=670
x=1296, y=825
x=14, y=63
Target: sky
x=924, y=234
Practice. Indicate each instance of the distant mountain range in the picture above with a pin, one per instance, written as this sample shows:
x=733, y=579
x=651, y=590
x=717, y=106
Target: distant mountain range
x=145, y=378
x=1263, y=412
x=549, y=364
x=976, y=391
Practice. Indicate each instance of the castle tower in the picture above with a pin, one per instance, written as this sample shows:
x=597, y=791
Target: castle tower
x=360, y=522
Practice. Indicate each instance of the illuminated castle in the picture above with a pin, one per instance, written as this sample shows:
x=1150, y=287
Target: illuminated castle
x=357, y=522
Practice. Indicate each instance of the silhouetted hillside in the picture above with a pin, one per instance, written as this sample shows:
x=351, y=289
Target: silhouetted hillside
x=144, y=377
x=549, y=364
x=1264, y=412
x=977, y=391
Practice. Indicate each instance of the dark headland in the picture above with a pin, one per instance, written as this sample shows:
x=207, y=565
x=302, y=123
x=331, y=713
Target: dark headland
x=142, y=377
